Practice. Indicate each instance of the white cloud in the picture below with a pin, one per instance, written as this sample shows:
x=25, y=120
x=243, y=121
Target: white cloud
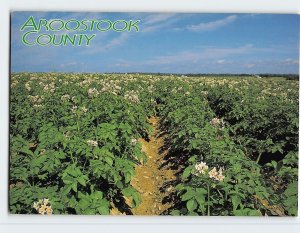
x=185, y=56
x=290, y=61
x=157, y=18
x=210, y=55
x=223, y=62
x=155, y=22
x=249, y=65
x=210, y=26
x=103, y=46
x=68, y=64
x=204, y=54
x=117, y=41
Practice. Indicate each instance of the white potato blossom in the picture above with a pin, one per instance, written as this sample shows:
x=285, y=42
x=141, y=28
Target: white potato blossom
x=86, y=82
x=13, y=84
x=65, y=97
x=133, y=141
x=92, y=92
x=153, y=101
x=92, y=143
x=43, y=206
x=151, y=89
x=132, y=96
x=201, y=167
x=215, y=174
x=84, y=109
x=37, y=105
x=216, y=122
x=67, y=135
x=27, y=86
x=74, y=109
x=205, y=93
x=36, y=100
x=111, y=86
x=49, y=87
x=74, y=99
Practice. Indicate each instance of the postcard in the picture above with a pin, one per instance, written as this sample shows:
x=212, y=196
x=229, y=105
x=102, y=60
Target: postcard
x=182, y=114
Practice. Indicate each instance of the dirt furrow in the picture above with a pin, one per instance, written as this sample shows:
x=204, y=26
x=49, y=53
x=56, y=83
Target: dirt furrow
x=152, y=178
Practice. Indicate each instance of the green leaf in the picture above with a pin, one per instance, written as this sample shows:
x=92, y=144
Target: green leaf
x=127, y=177
x=246, y=212
x=175, y=213
x=191, y=205
x=109, y=160
x=66, y=190
x=136, y=199
x=26, y=151
x=236, y=200
x=74, y=186
x=186, y=173
x=81, y=180
x=98, y=194
x=120, y=184
x=68, y=180
x=128, y=191
x=188, y=195
x=104, y=210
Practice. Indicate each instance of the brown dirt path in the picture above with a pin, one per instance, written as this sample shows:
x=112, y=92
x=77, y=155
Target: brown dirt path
x=150, y=177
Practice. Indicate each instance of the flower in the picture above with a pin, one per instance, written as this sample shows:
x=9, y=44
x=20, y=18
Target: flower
x=92, y=143
x=74, y=108
x=27, y=86
x=92, y=92
x=220, y=176
x=201, y=167
x=205, y=93
x=49, y=87
x=133, y=141
x=67, y=135
x=213, y=173
x=215, y=122
x=46, y=201
x=49, y=210
x=217, y=175
x=36, y=99
x=132, y=96
x=43, y=206
x=42, y=209
x=65, y=97
x=84, y=109
x=36, y=205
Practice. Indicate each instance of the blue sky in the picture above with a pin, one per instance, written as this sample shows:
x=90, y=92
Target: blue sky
x=168, y=43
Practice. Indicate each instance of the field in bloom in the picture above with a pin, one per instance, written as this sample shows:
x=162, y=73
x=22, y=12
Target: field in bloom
x=76, y=140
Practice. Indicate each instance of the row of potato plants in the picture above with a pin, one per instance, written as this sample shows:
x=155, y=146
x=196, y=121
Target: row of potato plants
x=223, y=127
x=74, y=143
x=263, y=117
x=218, y=178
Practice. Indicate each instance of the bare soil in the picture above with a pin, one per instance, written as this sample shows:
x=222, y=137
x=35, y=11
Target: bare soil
x=153, y=180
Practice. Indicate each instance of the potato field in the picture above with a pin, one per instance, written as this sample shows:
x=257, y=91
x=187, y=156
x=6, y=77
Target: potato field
x=132, y=144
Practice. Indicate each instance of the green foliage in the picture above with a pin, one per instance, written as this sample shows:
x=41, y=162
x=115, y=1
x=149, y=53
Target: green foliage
x=74, y=140
x=74, y=146
x=235, y=125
